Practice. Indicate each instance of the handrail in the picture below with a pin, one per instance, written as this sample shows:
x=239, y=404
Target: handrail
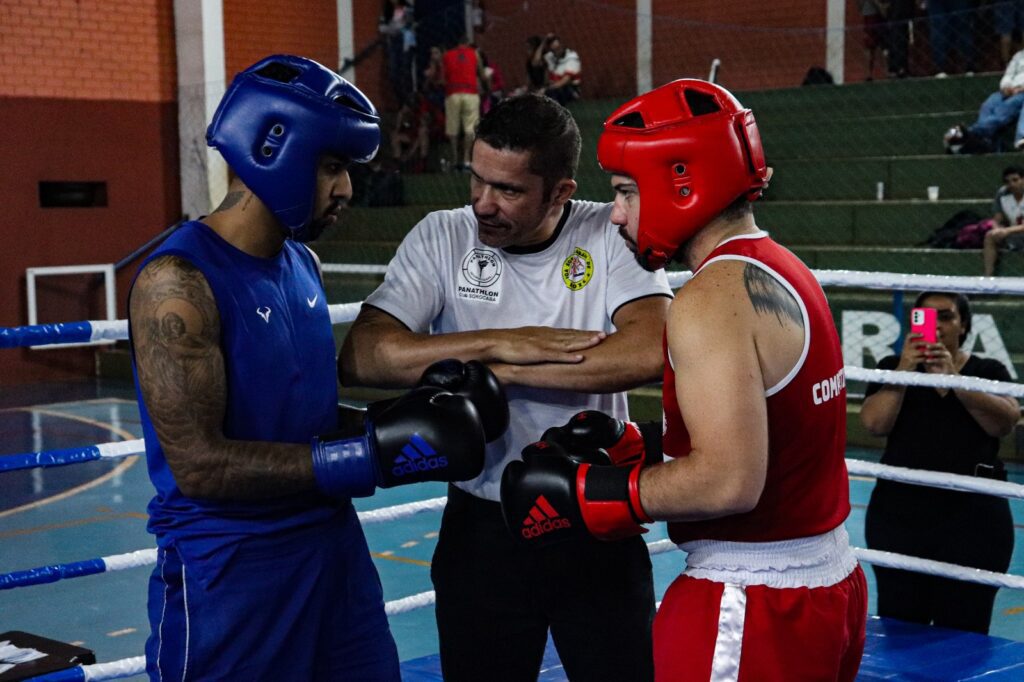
x=148, y=245
x=350, y=62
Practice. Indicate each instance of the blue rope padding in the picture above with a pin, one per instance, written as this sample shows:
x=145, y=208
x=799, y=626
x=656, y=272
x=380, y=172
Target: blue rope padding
x=49, y=458
x=40, y=334
x=51, y=574
x=76, y=674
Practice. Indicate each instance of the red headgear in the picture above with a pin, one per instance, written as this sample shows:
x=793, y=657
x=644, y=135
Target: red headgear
x=692, y=150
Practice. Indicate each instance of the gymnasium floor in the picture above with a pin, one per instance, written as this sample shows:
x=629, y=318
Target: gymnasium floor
x=89, y=510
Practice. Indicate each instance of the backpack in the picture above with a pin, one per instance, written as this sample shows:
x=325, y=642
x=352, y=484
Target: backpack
x=973, y=236
x=818, y=76
x=945, y=236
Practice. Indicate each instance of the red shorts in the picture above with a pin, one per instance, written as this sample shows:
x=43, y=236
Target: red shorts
x=709, y=630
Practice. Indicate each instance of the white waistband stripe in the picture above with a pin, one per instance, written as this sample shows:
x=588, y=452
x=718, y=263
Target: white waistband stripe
x=725, y=666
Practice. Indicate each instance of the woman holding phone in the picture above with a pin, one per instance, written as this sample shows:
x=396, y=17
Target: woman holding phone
x=949, y=430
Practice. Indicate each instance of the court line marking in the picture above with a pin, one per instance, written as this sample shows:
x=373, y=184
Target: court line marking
x=122, y=466
x=72, y=524
x=400, y=559
x=90, y=401
x=118, y=633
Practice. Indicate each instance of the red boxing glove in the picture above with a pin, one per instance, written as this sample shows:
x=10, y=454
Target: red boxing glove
x=591, y=431
x=551, y=496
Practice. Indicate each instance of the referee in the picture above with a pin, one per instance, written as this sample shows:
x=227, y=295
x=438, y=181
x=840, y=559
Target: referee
x=544, y=291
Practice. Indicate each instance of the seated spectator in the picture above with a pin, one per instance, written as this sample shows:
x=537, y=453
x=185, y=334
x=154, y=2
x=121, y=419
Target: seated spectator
x=1008, y=207
x=939, y=429
x=564, y=71
x=536, y=66
x=999, y=110
x=433, y=78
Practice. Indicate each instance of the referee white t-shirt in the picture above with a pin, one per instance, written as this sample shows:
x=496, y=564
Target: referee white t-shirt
x=443, y=280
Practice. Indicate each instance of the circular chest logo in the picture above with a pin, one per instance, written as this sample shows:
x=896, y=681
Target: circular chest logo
x=577, y=269
x=481, y=267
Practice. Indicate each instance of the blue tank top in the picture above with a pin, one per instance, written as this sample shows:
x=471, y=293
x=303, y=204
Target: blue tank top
x=280, y=366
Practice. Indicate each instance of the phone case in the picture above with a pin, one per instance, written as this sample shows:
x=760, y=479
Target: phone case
x=922, y=321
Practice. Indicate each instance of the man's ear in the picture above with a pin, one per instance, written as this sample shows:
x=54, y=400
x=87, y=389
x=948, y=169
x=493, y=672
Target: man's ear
x=563, y=191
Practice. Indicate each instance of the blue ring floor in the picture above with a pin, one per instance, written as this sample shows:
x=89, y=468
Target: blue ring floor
x=84, y=511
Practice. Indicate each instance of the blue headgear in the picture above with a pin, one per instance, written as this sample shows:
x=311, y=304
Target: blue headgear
x=275, y=121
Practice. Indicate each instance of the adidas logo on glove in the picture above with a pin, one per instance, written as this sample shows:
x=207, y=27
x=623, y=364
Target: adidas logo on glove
x=417, y=455
x=543, y=518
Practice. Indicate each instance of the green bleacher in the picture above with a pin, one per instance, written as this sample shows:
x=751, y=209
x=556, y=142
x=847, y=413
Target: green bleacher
x=830, y=147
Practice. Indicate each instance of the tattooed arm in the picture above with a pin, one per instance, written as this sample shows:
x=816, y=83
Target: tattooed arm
x=731, y=334
x=176, y=337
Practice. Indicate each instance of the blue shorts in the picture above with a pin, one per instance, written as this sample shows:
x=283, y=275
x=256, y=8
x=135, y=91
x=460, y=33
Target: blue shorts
x=306, y=606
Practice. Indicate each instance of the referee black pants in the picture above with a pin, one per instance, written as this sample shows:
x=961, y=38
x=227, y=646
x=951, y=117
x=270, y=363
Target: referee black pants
x=496, y=601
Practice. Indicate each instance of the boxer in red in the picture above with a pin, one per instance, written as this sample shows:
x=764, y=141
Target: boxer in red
x=755, y=490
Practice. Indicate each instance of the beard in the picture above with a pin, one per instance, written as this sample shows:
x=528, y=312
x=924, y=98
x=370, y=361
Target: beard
x=316, y=226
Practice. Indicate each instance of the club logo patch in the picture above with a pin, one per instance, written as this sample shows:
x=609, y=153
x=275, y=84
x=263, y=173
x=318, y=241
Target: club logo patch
x=577, y=269
x=480, y=276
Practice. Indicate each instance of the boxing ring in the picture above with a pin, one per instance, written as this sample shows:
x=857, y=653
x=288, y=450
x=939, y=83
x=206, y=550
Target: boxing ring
x=894, y=650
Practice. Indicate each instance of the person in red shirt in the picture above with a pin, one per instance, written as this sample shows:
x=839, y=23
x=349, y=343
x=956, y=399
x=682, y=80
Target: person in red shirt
x=463, y=74
x=756, y=489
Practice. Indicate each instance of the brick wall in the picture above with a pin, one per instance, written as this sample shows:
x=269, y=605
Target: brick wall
x=87, y=91
x=254, y=29
x=88, y=49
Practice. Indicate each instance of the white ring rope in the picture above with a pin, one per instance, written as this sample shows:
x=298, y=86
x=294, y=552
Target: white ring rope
x=936, y=479
x=888, y=376
x=400, y=511
x=847, y=278
x=140, y=557
x=122, y=448
x=114, y=670
x=104, y=330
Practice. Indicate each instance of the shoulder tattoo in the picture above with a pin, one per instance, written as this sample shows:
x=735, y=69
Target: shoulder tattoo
x=769, y=297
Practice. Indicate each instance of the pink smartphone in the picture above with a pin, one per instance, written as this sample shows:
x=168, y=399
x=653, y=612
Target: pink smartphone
x=922, y=321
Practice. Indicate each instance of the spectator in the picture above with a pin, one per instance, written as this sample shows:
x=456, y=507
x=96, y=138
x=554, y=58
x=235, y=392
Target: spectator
x=950, y=22
x=1008, y=219
x=1008, y=17
x=564, y=71
x=494, y=84
x=410, y=138
x=997, y=111
x=463, y=74
x=396, y=26
x=898, y=36
x=873, y=14
x=433, y=78
x=950, y=430
x=536, y=66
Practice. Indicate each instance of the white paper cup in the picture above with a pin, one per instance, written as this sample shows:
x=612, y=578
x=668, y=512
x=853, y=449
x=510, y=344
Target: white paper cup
x=933, y=193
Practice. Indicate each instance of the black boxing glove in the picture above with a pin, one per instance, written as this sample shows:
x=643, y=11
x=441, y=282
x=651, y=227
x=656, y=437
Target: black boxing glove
x=551, y=496
x=475, y=381
x=426, y=435
x=598, y=438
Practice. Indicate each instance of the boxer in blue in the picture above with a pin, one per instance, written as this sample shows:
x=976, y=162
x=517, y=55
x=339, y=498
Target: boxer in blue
x=263, y=571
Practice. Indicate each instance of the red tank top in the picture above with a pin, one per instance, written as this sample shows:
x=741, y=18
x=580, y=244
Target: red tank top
x=460, y=70
x=806, y=490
